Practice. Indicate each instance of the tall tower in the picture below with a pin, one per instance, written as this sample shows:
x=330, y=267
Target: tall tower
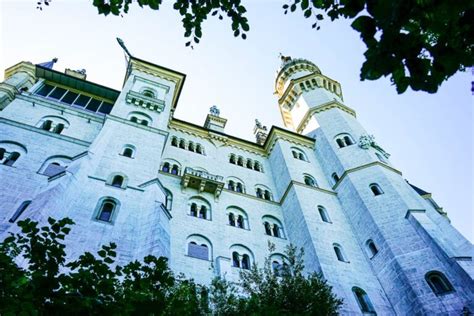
x=406, y=238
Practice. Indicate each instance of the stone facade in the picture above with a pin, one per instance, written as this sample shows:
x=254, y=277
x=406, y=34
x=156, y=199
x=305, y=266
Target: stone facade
x=126, y=171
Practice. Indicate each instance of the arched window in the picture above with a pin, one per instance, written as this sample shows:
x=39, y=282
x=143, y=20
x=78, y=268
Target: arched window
x=169, y=200
x=273, y=226
x=47, y=125
x=363, y=299
x=200, y=208
x=193, y=210
x=245, y=262
x=23, y=206
x=203, y=212
x=199, y=247
x=249, y=164
x=235, y=259
x=375, y=188
x=144, y=122
x=127, y=152
x=231, y=185
x=199, y=149
x=371, y=248
x=256, y=166
x=231, y=219
x=438, y=282
x=268, y=229
x=239, y=187
x=237, y=217
x=309, y=180
x=339, y=253
x=11, y=159
x=166, y=167
x=174, y=141
x=175, y=170
x=324, y=214
x=182, y=144
x=232, y=159
x=276, y=230
x=259, y=193
x=59, y=128
x=299, y=154
x=335, y=177
x=240, y=221
x=343, y=140
x=267, y=195
x=276, y=267
x=240, y=161
x=106, y=211
x=148, y=93
x=117, y=181
x=134, y=119
x=2, y=153
x=191, y=147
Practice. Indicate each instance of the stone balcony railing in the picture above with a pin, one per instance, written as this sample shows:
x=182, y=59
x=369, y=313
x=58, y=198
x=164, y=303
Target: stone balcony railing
x=141, y=100
x=202, y=181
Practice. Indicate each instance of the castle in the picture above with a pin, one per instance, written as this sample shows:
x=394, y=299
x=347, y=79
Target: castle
x=126, y=171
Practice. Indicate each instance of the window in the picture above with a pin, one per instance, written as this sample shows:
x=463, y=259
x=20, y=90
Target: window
x=232, y=159
x=46, y=125
x=11, y=159
x=198, y=251
x=245, y=162
x=263, y=193
x=169, y=200
x=267, y=195
x=363, y=299
x=298, y=154
x=335, y=178
x=165, y=167
x=309, y=180
x=235, y=185
x=199, y=149
x=272, y=226
x=134, y=119
x=256, y=166
x=438, y=282
x=53, y=169
x=339, y=253
x=107, y=210
x=127, y=152
x=237, y=217
x=175, y=170
x=23, y=206
x=235, y=260
x=246, y=262
x=199, y=208
x=117, y=181
x=59, y=128
x=249, y=164
x=324, y=214
x=240, y=161
x=174, y=142
x=344, y=140
x=375, y=188
x=182, y=144
x=231, y=185
x=191, y=147
x=259, y=193
x=148, y=93
x=239, y=187
x=371, y=248
x=144, y=122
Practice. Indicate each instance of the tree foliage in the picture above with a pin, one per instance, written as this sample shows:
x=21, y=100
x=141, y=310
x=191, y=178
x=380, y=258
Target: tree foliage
x=418, y=43
x=37, y=279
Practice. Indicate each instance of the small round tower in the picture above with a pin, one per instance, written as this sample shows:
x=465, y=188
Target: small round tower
x=301, y=87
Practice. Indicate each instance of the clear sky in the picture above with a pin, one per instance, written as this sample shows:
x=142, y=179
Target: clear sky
x=430, y=137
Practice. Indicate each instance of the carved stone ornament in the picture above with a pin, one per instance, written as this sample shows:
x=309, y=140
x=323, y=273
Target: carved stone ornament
x=367, y=141
x=214, y=111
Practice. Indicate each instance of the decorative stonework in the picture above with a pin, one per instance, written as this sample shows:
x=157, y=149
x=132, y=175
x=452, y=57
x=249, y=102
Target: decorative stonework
x=143, y=101
x=367, y=141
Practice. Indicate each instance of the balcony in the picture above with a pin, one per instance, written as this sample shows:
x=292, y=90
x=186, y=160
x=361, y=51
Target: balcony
x=143, y=101
x=202, y=181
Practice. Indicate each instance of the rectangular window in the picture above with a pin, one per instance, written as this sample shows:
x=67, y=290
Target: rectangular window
x=44, y=90
x=69, y=97
x=106, y=107
x=82, y=100
x=57, y=93
x=93, y=105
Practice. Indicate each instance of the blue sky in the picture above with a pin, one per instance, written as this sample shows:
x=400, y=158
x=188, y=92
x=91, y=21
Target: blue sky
x=430, y=136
